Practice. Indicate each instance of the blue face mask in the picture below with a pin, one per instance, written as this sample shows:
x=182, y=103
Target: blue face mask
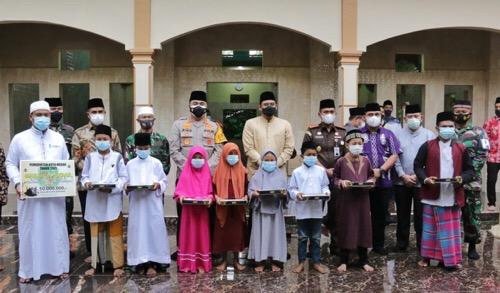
x=102, y=145
x=446, y=133
x=143, y=154
x=197, y=163
x=232, y=159
x=310, y=161
x=41, y=123
x=269, y=166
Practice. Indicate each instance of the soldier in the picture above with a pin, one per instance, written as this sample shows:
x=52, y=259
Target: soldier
x=476, y=142
x=330, y=139
x=57, y=125
x=83, y=143
x=159, y=144
x=194, y=130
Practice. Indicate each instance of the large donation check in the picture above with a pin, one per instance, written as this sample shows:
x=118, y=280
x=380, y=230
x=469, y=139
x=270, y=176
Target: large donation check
x=41, y=179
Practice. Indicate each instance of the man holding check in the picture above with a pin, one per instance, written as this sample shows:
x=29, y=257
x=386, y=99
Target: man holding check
x=43, y=236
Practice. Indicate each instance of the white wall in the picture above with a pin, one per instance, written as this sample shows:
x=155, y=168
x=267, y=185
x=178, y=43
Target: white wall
x=108, y=18
x=382, y=19
x=319, y=19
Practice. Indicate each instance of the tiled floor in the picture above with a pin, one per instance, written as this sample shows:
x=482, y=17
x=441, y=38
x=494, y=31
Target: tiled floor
x=394, y=273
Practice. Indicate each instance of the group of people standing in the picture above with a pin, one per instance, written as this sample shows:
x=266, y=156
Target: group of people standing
x=345, y=182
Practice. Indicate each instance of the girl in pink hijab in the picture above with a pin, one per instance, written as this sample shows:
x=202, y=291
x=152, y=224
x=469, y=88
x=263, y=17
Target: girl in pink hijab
x=195, y=182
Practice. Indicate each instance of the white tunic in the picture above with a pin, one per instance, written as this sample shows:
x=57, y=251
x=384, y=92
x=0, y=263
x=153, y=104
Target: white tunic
x=43, y=235
x=107, y=169
x=147, y=238
x=309, y=180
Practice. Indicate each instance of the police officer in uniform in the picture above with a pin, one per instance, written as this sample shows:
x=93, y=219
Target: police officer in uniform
x=330, y=139
x=195, y=130
x=57, y=125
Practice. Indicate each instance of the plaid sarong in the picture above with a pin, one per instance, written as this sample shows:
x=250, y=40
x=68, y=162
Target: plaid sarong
x=441, y=234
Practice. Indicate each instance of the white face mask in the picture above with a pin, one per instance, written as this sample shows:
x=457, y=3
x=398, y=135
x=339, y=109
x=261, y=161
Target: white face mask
x=97, y=119
x=373, y=121
x=362, y=124
x=328, y=118
x=414, y=123
x=355, y=149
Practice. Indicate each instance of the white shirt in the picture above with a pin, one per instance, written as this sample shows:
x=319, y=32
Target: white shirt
x=309, y=180
x=447, y=192
x=43, y=235
x=99, y=169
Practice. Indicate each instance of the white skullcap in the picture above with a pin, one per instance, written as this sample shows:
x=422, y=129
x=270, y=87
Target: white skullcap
x=39, y=105
x=145, y=111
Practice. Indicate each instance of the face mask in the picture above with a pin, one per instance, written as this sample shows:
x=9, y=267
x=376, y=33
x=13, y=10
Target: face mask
x=310, y=161
x=269, y=166
x=446, y=133
x=355, y=149
x=143, y=154
x=232, y=159
x=373, y=121
x=197, y=163
x=198, y=111
x=497, y=112
x=269, y=111
x=56, y=116
x=103, y=145
x=387, y=113
x=328, y=118
x=96, y=119
x=362, y=125
x=414, y=123
x=41, y=123
x=146, y=124
x=461, y=118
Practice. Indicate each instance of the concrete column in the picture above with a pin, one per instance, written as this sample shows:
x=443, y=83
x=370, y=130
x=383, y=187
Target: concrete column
x=347, y=83
x=143, y=79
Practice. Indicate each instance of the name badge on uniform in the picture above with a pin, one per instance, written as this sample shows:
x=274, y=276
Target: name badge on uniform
x=336, y=152
x=485, y=144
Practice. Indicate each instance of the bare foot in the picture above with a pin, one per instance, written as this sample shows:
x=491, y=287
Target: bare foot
x=275, y=268
x=259, y=269
x=90, y=272
x=64, y=276
x=423, y=263
x=201, y=271
x=368, y=268
x=88, y=259
x=25, y=281
x=342, y=268
x=320, y=268
x=239, y=266
x=299, y=268
x=221, y=267
x=151, y=273
x=118, y=273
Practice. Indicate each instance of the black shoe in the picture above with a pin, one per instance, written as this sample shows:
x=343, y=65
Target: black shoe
x=173, y=256
x=399, y=249
x=71, y=255
x=380, y=251
x=472, y=253
x=288, y=256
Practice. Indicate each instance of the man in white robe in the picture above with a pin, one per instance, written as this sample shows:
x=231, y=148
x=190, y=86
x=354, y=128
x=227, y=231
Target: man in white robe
x=147, y=233
x=43, y=235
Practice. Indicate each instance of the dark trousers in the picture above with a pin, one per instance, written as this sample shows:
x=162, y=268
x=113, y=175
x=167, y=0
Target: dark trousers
x=379, y=198
x=362, y=254
x=491, y=180
x=69, y=214
x=309, y=230
x=82, y=195
x=329, y=220
x=405, y=196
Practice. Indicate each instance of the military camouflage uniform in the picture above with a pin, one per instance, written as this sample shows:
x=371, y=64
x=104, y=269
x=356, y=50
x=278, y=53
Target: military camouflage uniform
x=67, y=132
x=331, y=147
x=476, y=142
x=159, y=149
